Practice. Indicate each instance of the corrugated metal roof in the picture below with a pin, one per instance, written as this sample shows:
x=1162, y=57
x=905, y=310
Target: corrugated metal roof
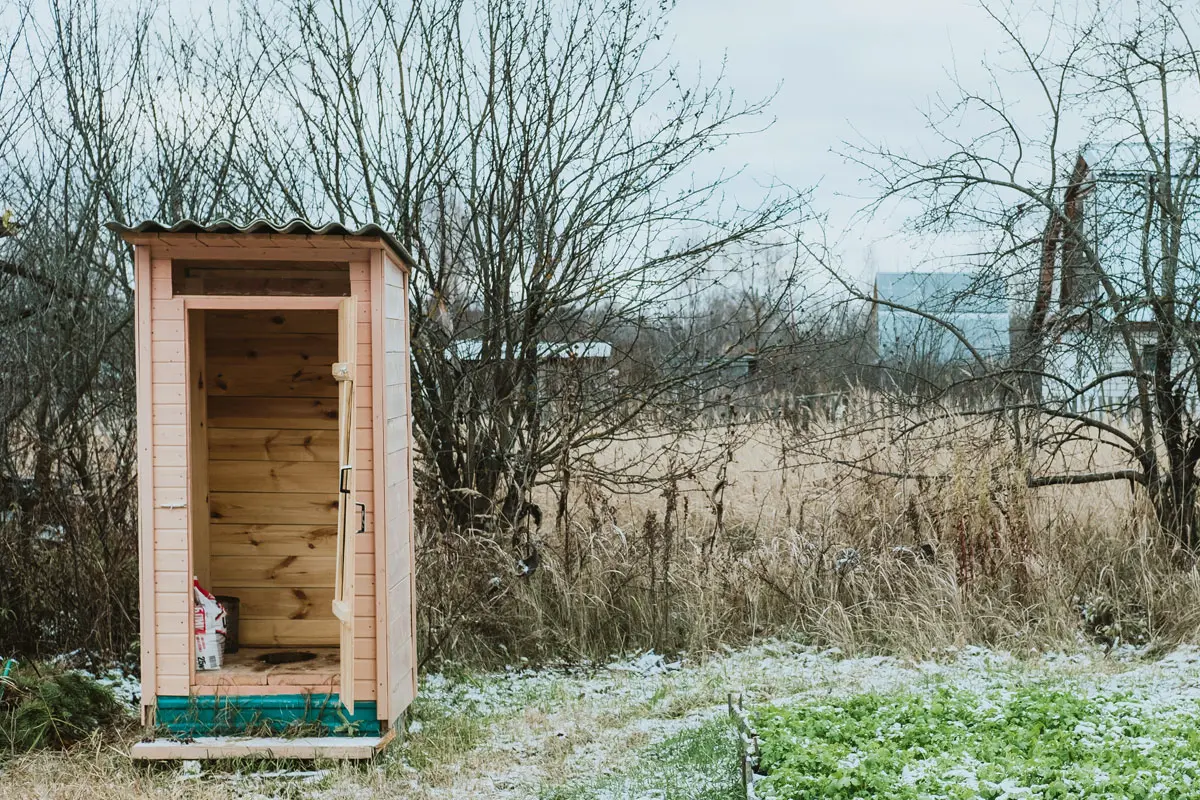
x=263, y=226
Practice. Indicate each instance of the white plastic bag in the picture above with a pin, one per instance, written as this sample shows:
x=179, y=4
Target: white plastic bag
x=209, y=629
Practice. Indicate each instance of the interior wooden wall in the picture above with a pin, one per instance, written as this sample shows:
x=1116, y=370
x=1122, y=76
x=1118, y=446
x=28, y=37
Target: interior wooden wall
x=272, y=471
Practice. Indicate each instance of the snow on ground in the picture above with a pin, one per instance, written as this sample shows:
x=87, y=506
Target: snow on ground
x=568, y=727
x=581, y=732
x=126, y=687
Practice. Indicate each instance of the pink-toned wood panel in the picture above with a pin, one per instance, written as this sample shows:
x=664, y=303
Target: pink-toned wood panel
x=173, y=583
x=172, y=623
x=169, y=352
x=171, y=539
x=364, y=547
x=174, y=477
x=397, y=503
x=166, y=310
x=170, y=560
x=170, y=373
x=364, y=649
x=174, y=685
x=173, y=643
x=170, y=436
x=169, y=330
x=174, y=664
x=170, y=498
x=173, y=602
x=364, y=668
x=170, y=456
x=170, y=393
x=170, y=414
x=170, y=517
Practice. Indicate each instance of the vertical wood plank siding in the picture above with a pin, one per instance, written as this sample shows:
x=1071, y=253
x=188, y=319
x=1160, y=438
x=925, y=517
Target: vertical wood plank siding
x=169, y=504
x=401, y=652
x=146, y=463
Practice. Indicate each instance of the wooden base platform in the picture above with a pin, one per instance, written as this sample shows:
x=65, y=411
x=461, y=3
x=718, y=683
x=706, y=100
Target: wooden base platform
x=215, y=747
x=243, y=672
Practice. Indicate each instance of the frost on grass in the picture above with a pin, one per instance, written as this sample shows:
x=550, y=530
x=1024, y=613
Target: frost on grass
x=1067, y=727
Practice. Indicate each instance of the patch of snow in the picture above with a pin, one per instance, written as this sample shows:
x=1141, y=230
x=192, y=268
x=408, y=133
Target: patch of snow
x=648, y=663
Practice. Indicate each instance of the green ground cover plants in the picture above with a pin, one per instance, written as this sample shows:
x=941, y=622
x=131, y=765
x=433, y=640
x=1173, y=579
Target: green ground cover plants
x=1034, y=740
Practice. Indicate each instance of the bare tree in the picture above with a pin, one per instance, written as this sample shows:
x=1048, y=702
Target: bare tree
x=88, y=132
x=538, y=159
x=1083, y=211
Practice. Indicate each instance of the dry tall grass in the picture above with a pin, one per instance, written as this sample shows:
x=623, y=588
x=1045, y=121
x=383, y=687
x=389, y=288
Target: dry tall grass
x=766, y=541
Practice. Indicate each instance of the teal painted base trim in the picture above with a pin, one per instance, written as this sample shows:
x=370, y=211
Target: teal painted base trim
x=259, y=714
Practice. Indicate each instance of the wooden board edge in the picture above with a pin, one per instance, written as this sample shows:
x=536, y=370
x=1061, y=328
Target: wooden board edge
x=145, y=481
x=207, y=748
x=388, y=737
x=379, y=465
x=410, y=509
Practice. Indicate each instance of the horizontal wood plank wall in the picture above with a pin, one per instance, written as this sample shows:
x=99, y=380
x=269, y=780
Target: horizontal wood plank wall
x=401, y=667
x=171, y=562
x=364, y=543
x=272, y=471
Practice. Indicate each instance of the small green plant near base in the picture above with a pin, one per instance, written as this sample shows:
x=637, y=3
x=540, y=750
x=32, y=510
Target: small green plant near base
x=346, y=727
x=438, y=733
x=43, y=707
x=695, y=764
x=1024, y=742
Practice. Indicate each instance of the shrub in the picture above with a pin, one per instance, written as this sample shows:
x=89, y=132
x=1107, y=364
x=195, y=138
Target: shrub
x=53, y=709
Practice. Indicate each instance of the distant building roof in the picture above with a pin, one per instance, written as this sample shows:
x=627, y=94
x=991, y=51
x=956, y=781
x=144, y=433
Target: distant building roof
x=471, y=349
x=976, y=307
x=943, y=292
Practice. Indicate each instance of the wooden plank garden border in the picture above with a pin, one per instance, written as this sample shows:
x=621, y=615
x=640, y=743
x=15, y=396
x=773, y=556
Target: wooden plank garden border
x=748, y=749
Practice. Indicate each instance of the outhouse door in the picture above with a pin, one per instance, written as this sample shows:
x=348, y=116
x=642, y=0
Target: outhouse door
x=345, y=372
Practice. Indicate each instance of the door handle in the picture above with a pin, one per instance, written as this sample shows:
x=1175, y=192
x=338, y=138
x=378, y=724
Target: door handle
x=343, y=474
x=362, y=524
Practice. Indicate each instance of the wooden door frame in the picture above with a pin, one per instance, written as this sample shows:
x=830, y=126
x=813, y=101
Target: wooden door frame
x=230, y=303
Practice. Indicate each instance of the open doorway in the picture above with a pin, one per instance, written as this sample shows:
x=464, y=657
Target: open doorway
x=265, y=492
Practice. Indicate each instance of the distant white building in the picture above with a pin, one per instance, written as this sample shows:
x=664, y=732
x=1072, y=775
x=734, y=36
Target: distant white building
x=975, y=307
x=1086, y=352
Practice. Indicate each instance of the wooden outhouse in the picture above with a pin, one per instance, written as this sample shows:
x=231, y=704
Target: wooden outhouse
x=275, y=467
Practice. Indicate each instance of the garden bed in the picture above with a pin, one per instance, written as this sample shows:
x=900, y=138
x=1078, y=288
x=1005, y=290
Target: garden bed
x=1046, y=738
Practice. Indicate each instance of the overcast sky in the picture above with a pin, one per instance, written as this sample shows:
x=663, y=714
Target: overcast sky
x=845, y=70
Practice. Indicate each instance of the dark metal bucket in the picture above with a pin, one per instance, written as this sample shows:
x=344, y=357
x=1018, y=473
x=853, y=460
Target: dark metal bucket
x=232, y=606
